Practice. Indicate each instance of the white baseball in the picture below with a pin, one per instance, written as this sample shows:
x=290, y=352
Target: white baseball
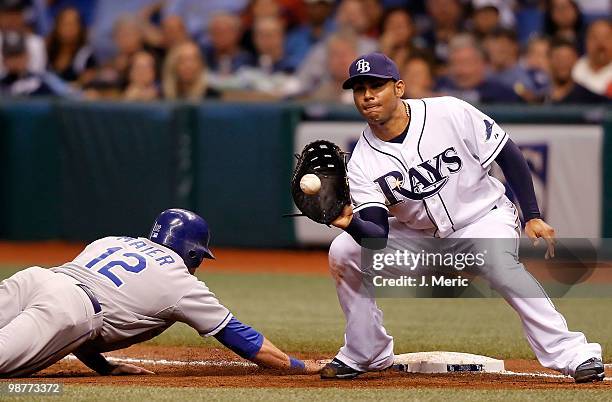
x=310, y=184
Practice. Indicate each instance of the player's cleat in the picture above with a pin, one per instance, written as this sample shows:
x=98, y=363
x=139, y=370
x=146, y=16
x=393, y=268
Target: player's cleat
x=590, y=371
x=338, y=370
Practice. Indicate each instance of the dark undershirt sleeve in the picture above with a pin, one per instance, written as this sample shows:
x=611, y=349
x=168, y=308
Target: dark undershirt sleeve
x=370, y=227
x=516, y=170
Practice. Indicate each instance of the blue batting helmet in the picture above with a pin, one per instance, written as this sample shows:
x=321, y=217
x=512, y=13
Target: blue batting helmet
x=184, y=232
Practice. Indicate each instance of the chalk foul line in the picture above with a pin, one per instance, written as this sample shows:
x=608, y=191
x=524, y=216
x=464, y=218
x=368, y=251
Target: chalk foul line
x=231, y=363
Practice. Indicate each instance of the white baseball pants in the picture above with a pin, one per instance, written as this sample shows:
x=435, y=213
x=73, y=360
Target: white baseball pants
x=368, y=347
x=44, y=316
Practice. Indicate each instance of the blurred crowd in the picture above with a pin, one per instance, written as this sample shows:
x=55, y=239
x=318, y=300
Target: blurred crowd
x=510, y=51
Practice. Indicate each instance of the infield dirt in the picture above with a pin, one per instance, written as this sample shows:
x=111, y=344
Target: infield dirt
x=226, y=374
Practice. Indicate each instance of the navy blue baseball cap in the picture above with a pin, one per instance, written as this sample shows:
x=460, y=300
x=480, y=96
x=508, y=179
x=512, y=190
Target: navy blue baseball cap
x=371, y=65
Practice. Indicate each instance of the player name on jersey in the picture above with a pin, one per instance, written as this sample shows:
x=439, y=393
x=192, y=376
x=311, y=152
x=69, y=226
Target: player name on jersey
x=151, y=251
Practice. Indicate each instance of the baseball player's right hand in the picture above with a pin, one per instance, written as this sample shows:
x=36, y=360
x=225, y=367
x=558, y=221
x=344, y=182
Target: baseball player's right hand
x=345, y=218
x=536, y=228
x=312, y=366
x=128, y=369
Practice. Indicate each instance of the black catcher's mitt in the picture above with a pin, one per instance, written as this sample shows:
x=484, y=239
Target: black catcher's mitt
x=326, y=160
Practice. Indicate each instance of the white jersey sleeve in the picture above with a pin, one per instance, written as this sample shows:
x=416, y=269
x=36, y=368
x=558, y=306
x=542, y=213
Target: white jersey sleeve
x=364, y=191
x=483, y=136
x=201, y=310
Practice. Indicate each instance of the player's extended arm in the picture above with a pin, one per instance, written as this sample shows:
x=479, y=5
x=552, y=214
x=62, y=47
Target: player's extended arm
x=97, y=362
x=515, y=168
x=246, y=342
x=369, y=227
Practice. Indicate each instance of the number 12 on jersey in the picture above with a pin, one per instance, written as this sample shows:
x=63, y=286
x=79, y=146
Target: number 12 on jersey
x=130, y=262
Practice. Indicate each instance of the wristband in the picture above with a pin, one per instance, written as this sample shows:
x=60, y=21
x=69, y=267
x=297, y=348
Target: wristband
x=296, y=363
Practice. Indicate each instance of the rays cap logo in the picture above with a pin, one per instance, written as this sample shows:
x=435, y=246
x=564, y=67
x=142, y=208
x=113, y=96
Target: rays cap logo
x=371, y=65
x=363, y=66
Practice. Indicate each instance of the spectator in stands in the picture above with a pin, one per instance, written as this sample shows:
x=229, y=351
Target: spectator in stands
x=17, y=79
x=594, y=71
x=142, y=79
x=169, y=33
x=185, y=74
x=256, y=10
x=563, y=57
x=45, y=12
x=418, y=75
x=12, y=19
x=537, y=53
x=128, y=41
x=224, y=54
x=69, y=55
x=397, y=39
x=319, y=23
x=269, y=77
x=349, y=17
x=174, y=31
x=487, y=15
x=351, y=14
x=536, y=64
x=12, y=16
x=374, y=12
x=269, y=38
x=467, y=75
x=502, y=51
x=106, y=14
x=564, y=19
x=292, y=12
x=485, y=18
x=197, y=14
x=111, y=78
x=341, y=51
x=446, y=21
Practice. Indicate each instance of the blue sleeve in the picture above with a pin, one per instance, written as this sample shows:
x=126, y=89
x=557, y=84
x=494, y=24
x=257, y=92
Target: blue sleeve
x=370, y=227
x=516, y=170
x=240, y=338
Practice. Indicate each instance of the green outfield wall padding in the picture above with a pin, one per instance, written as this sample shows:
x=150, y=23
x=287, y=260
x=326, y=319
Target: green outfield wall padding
x=121, y=166
x=29, y=171
x=243, y=155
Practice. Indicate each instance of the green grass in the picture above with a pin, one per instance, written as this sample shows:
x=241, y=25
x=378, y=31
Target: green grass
x=106, y=393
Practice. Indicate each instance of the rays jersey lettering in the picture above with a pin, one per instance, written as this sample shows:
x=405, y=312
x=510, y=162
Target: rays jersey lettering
x=437, y=179
x=424, y=180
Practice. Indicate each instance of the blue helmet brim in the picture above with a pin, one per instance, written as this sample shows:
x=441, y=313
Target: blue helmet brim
x=208, y=254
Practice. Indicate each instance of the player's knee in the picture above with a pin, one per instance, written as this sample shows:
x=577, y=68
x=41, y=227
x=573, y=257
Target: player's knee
x=344, y=250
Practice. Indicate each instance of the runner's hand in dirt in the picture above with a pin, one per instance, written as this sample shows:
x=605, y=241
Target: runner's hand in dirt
x=312, y=367
x=128, y=369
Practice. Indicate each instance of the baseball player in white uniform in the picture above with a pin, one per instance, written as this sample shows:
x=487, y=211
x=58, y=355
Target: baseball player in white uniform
x=120, y=291
x=420, y=170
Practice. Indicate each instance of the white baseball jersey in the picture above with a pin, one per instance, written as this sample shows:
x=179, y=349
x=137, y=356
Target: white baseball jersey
x=143, y=289
x=436, y=180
